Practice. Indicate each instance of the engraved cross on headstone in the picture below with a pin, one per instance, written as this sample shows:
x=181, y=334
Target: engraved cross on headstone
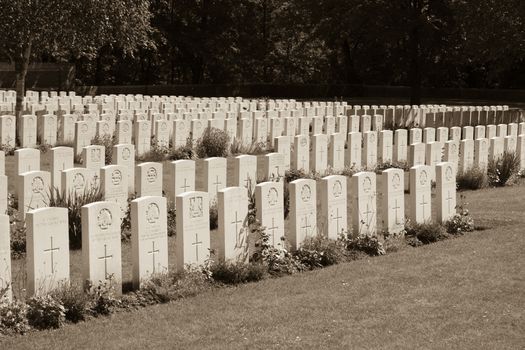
x=337, y=218
x=52, y=250
x=423, y=204
x=105, y=258
x=273, y=228
x=197, y=243
x=306, y=226
x=186, y=186
x=236, y=222
x=152, y=252
x=217, y=183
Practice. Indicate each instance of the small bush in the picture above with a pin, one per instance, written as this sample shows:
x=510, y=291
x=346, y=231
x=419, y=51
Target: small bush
x=425, y=233
x=13, y=318
x=461, y=222
x=503, y=170
x=366, y=244
x=45, y=312
x=44, y=147
x=278, y=261
x=155, y=154
x=472, y=179
x=182, y=152
x=237, y=272
x=213, y=143
x=8, y=150
x=320, y=251
x=74, y=300
x=103, y=300
x=389, y=165
x=173, y=286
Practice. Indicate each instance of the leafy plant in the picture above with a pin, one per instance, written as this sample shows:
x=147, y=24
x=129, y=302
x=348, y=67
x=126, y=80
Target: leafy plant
x=255, y=148
x=214, y=216
x=45, y=312
x=13, y=318
x=424, y=233
x=320, y=251
x=213, y=143
x=183, y=152
x=155, y=154
x=74, y=204
x=461, y=222
x=472, y=179
x=367, y=244
x=503, y=170
x=388, y=165
x=103, y=300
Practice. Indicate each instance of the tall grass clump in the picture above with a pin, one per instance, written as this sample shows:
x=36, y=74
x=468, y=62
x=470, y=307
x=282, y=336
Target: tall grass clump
x=74, y=204
x=503, y=170
x=472, y=179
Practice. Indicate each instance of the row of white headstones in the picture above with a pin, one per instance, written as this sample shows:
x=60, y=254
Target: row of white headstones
x=309, y=154
x=315, y=208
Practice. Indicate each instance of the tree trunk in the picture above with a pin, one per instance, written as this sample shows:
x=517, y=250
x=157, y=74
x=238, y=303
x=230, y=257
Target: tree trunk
x=415, y=56
x=21, y=66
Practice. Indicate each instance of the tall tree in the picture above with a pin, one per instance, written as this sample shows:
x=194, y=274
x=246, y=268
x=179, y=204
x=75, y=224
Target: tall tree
x=60, y=28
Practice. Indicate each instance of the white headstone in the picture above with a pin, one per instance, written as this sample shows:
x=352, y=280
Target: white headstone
x=124, y=154
x=420, y=194
x=354, y=150
x=193, y=229
x=61, y=159
x=233, y=230
x=303, y=212
x=301, y=155
x=148, y=179
x=392, y=200
x=214, y=176
x=364, y=196
x=245, y=172
x=270, y=210
x=5, y=256
x=47, y=250
x=445, y=191
x=149, y=238
x=333, y=219
x=181, y=178
x=33, y=191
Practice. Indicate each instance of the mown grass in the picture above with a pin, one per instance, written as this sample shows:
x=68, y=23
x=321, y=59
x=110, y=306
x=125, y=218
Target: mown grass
x=464, y=293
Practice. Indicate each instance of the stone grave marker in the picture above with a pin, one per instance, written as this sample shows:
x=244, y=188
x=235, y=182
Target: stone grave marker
x=270, y=210
x=442, y=134
x=26, y=159
x=392, y=200
x=193, y=229
x=181, y=178
x=142, y=136
x=468, y=133
x=301, y=156
x=28, y=134
x=415, y=136
x=149, y=238
x=510, y=144
x=78, y=181
x=148, y=179
x=501, y=130
x=94, y=157
x=336, y=152
x=429, y=135
x=61, y=158
x=377, y=122
x=386, y=139
x=272, y=167
x=329, y=125
x=303, y=212
x=180, y=133
x=481, y=153
x=2, y=163
x=366, y=123
x=466, y=155
x=479, y=132
x=417, y=154
x=162, y=133
x=104, y=130
x=3, y=194
x=455, y=133
x=433, y=156
x=496, y=148
x=114, y=185
x=66, y=131
x=124, y=154
x=33, y=191
x=490, y=131
x=82, y=136
x=233, y=232
x=245, y=172
x=283, y=146
x=333, y=220
x=124, y=132
x=364, y=208
x=420, y=194
x=303, y=126
x=354, y=123
x=7, y=130
x=245, y=131
x=446, y=191
x=520, y=151
x=101, y=247
x=5, y=258
x=214, y=176
x=354, y=150
x=319, y=154
x=369, y=156
x=47, y=250
x=400, y=146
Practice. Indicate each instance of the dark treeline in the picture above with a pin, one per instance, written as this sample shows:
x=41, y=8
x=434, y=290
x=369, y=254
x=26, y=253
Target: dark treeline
x=431, y=43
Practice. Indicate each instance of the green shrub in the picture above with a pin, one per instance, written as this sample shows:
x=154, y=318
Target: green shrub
x=74, y=205
x=213, y=143
x=461, y=222
x=155, y=154
x=182, y=152
x=472, y=179
x=102, y=298
x=8, y=150
x=74, y=300
x=108, y=142
x=278, y=261
x=13, y=318
x=503, y=170
x=366, y=244
x=425, y=233
x=45, y=312
x=237, y=272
